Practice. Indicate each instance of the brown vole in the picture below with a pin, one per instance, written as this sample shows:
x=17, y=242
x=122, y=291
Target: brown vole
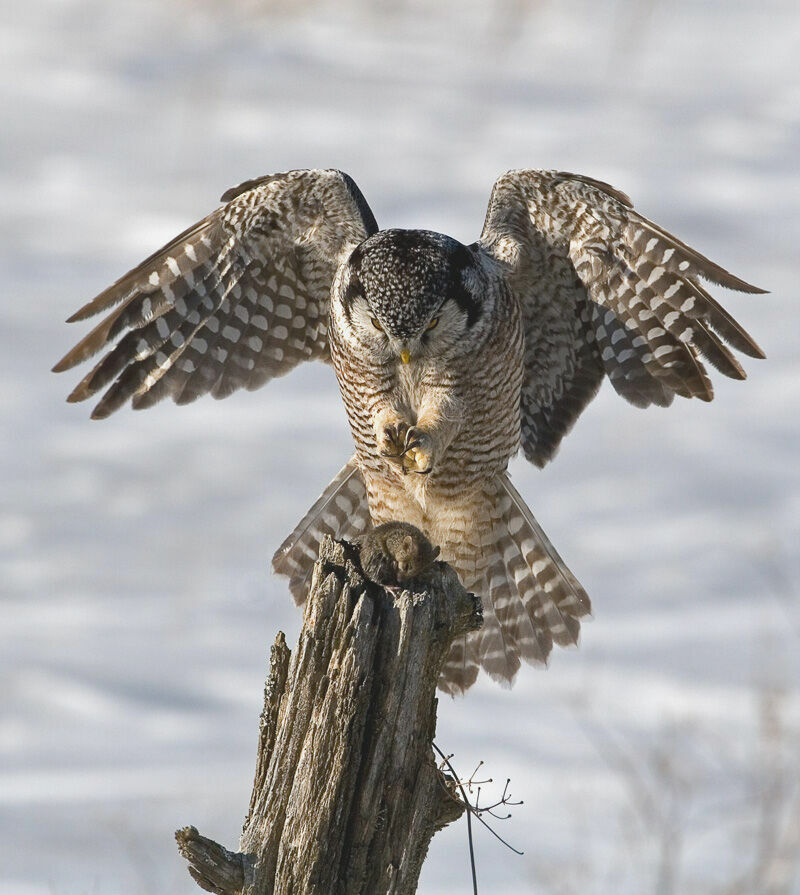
x=394, y=553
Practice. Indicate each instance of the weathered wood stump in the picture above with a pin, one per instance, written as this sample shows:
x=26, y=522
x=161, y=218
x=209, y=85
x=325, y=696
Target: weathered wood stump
x=347, y=795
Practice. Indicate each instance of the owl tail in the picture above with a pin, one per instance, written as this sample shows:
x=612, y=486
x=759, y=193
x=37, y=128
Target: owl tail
x=341, y=512
x=531, y=599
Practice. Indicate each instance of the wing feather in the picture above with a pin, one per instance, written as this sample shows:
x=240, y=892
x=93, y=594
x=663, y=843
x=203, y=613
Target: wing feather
x=235, y=300
x=604, y=291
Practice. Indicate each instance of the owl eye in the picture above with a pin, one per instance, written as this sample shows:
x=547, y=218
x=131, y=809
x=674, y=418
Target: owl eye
x=433, y=323
x=377, y=325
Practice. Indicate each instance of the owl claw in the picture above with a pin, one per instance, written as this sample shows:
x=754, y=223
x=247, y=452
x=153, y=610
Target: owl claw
x=418, y=452
x=393, y=439
x=406, y=446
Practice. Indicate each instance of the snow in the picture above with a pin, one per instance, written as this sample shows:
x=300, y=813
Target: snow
x=137, y=607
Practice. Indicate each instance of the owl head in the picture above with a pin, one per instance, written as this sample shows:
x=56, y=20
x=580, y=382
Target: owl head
x=410, y=293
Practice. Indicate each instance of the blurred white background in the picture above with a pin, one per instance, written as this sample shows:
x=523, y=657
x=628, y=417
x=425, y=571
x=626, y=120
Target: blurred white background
x=137, y=605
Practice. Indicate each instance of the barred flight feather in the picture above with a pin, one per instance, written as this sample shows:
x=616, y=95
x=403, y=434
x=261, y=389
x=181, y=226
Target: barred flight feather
x=228, y=303
x=148, y=332
x=652, y=319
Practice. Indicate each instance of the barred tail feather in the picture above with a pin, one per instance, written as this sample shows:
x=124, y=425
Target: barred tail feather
x=531, y=599
x=461, y=667
x=553, y=575
x=341, y=511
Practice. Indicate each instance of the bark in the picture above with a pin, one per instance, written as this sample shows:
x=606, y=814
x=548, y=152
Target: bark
x=347, y=794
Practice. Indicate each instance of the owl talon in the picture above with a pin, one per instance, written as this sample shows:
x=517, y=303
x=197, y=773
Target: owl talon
x=409, y=448
x=418, y=452
x=392, y=440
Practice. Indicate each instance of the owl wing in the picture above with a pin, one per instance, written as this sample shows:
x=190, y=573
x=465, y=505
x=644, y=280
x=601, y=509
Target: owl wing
x=603, y=291
x=240, y=297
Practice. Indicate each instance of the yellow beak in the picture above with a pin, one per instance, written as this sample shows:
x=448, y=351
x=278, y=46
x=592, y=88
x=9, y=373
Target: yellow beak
x=405, y=357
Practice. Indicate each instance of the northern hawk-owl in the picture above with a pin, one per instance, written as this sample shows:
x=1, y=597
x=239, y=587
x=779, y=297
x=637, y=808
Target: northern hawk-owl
x=449, y=359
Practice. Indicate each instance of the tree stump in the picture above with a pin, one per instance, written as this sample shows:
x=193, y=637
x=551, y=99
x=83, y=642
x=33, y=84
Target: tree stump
x=347, y=794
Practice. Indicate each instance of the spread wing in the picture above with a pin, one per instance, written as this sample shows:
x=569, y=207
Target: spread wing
x=604, y=291
x=240, y=297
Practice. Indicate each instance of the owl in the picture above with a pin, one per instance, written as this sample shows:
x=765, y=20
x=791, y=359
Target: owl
x=449, y=359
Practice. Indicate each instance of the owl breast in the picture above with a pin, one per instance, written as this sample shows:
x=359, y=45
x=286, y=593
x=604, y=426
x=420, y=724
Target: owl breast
x=477, y=387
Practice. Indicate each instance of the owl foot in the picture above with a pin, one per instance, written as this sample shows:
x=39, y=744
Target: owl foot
x=418, y=452
x=392, y=440
x=407, y=447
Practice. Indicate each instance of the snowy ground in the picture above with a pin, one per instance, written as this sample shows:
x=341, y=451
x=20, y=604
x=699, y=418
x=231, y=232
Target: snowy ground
x=136, y=601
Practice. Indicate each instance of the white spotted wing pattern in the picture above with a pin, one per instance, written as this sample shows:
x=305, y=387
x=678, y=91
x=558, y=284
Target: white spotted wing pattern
x=604, y=291
x=237, y=299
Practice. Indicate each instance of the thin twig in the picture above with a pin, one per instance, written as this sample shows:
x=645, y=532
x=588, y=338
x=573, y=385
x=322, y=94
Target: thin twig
x=473, y=782
x=505, y=799
x=467, y=805
x=494, y=832
x=477, y=810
